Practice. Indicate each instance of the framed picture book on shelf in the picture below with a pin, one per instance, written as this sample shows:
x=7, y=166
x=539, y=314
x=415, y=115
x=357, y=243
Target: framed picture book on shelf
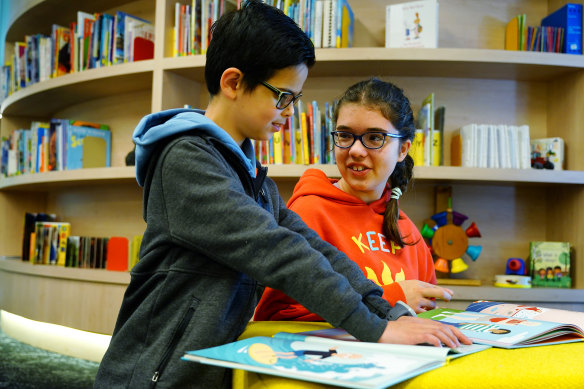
x=412, y=24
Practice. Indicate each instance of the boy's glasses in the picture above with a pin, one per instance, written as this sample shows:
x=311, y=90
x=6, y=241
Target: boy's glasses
x=370, y=140
x=284, y=98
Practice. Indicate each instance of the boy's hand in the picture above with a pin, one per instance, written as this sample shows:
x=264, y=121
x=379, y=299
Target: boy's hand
x=416, y=330
x=420, y=295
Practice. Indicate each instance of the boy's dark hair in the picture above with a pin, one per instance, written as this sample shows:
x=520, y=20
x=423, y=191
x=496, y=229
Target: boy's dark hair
x=258, y=39
x=391, y=101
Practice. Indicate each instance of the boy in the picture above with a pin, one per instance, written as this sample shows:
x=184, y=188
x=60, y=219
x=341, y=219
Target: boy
x=217, y=227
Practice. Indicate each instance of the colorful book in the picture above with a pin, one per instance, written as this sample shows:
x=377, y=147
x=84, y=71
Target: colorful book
x=88, y=145
x=520, y=311
x=506, y=331
x=50, y=242
x=345, y=24
x=425, y=122
x=412, y=24
x=325, y=356
x=550, y=264
x=568, y=17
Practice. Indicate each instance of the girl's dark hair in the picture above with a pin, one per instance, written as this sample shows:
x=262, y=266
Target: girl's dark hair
x=257, y=39
x=391, y=101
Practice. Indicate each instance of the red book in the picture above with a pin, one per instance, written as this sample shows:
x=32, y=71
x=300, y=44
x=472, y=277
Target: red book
x=117, y=254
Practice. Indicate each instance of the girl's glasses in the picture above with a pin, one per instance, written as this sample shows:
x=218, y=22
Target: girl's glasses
x=370, y=140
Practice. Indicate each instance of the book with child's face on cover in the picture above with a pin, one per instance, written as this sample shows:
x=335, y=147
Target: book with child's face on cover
x=327, y=356
x=512, y=326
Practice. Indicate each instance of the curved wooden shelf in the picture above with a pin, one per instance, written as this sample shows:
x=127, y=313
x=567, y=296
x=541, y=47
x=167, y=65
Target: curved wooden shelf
x=85, y=299
x=44, y=98
x=15, y=265
x=456, y=63
x=46, y=181
x=96, y=176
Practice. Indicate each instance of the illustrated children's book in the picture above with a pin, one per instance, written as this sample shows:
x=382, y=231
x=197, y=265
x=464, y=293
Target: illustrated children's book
x=322, y=359
x=412, y=24
x=528, y=312
x=550, y=264
x=88, y=145
x=513, y=331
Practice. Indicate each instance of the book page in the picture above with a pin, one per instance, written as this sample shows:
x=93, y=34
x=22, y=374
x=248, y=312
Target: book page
x=502, y=331
x=528, y=312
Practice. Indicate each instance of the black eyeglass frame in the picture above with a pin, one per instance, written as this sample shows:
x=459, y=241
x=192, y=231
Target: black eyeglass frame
x=282, y=95
x=360, y=137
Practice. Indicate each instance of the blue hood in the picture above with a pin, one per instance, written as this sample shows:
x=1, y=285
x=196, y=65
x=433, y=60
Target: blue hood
x=157, y=126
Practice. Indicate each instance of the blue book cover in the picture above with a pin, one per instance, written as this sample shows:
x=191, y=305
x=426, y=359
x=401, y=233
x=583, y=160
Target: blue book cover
x=569, y=17
x=87, y=147
x=330, y=361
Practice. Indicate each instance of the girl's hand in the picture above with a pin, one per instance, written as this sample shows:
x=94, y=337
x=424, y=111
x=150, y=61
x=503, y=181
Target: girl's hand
x=420, y=295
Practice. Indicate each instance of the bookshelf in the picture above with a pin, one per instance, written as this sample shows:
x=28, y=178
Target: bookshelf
x=471, y=75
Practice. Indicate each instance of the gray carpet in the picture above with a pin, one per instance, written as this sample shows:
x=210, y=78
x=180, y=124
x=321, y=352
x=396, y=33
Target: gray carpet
x=25, y=367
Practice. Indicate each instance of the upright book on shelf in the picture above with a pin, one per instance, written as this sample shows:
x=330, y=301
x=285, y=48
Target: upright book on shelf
x=568, y=17
x=412, y=24
x=88, y=145
x=550, y=264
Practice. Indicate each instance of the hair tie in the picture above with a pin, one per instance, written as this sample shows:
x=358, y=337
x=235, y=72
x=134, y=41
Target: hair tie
x=396, y=193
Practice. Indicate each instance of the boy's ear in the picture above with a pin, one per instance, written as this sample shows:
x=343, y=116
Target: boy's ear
x=231, y=81
x=403, y=149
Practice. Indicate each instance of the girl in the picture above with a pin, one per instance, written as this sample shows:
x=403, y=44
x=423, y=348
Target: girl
x=359, y=213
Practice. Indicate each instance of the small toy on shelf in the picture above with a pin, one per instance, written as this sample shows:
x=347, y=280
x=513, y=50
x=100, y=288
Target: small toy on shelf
x=516, y=266
x=448, y=241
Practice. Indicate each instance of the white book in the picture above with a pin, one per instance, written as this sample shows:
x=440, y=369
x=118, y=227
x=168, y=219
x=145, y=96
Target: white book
x=412, y=24
x=492, y=149
x=467, y=135
x=504, y=160
x=328, y=24
x=524, y=147
x=318, y=19
x=481, y=145
x=513, y=146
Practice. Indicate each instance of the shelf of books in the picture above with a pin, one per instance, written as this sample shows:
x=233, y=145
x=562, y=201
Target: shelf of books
x=443, y=174
x=77, y=177
x=445, y=62
x=46, y=97
x=442, y=62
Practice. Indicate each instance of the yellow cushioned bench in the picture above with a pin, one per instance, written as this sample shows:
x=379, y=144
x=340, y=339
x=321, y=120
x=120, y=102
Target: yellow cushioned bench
x=546, y=367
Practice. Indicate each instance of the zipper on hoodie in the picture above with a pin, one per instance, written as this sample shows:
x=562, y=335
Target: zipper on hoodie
x=174, y=341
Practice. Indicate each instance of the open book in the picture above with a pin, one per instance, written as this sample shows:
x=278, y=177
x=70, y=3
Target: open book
x=511, y=325
x=319, y=356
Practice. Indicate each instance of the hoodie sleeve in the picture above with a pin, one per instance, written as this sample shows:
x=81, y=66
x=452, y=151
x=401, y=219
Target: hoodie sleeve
x=207, y=211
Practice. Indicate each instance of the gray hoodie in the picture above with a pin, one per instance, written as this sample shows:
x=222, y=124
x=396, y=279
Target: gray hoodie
x=216, y=231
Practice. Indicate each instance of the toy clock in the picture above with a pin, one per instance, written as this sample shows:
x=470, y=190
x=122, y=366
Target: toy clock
x=448, y=241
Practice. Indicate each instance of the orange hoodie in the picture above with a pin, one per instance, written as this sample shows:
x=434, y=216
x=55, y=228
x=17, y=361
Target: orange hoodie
x=354, y=227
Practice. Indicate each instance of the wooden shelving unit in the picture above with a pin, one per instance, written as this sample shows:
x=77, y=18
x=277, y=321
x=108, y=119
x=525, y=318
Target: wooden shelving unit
x=470, y=74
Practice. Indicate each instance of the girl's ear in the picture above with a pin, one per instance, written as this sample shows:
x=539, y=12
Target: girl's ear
x=403, y=149
x=231, y=81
